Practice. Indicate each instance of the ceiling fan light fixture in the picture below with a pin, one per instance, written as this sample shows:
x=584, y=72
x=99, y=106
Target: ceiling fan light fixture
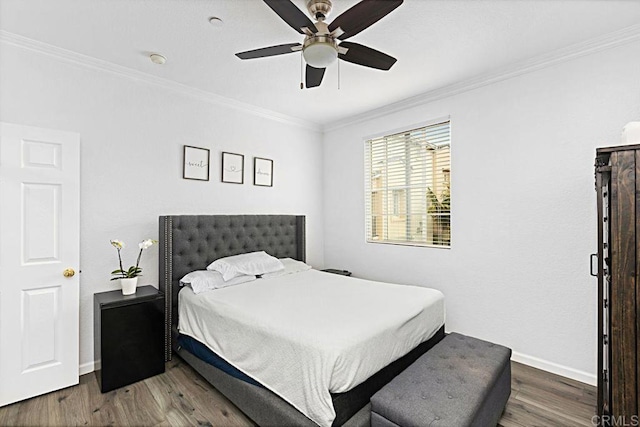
x=320, y=51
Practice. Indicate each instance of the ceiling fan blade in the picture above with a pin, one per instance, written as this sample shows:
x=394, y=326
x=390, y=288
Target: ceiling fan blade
x=314, y=76
x=362, y=16
x=363, y=55
x=270, y=51
x=290, y=14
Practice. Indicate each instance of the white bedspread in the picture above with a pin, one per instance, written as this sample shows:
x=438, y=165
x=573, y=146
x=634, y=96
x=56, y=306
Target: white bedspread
x=307, y=334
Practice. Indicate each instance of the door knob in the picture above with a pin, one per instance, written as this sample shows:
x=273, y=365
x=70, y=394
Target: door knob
x=69, y=272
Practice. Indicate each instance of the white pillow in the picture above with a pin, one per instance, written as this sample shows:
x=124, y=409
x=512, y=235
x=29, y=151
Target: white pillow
x=291, y=266
x=253, y=263
x=205, y=280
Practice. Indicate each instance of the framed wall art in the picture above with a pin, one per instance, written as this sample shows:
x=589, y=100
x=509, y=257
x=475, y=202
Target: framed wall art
x=262, y=172
x=232, y=168
x=196, y=163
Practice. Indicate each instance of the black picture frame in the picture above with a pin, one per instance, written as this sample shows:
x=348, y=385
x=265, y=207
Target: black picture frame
x=196, y=163
x=262, y=172
x=232, y=168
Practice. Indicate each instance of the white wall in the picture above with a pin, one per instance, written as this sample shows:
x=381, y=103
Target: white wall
x=523, y=201
x=132, y=135
x=522, y=185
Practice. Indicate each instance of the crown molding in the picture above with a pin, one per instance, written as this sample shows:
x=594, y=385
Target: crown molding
x=86, y=61
x=605, y=42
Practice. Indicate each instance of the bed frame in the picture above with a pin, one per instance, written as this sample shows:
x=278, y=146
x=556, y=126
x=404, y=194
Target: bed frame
x=191, y=242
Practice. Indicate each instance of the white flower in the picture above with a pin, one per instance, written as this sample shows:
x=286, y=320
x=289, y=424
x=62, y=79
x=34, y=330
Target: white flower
x=145, y=244
x=118, y=244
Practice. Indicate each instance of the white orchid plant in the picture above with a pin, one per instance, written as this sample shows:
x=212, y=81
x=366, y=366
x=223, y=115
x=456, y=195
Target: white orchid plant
x=134, y=270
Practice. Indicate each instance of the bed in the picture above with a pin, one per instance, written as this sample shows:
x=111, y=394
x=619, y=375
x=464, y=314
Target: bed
x=191, y=242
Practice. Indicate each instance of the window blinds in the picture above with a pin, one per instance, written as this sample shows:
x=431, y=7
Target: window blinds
x=407, y=187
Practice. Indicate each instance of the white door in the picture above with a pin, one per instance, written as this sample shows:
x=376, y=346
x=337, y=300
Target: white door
x=39, y=240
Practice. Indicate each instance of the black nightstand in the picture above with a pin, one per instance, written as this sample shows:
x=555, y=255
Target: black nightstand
x=128, y=336
x=340, y=272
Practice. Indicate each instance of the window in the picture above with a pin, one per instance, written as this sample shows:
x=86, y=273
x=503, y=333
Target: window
x=407, y=185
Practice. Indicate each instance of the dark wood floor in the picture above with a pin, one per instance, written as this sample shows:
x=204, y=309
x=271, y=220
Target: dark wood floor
x=180, y=397
x=539, y=398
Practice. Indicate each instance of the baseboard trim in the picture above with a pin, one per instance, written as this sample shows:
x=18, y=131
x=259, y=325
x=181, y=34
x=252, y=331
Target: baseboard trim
x=554, y=368
x=87, y=368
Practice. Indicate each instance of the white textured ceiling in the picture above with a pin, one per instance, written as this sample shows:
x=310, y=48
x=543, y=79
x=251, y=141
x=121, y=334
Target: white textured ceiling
x=438, y=43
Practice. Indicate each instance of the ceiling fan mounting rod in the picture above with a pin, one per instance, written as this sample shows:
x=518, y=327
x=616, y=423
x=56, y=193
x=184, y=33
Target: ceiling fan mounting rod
x=320, y=9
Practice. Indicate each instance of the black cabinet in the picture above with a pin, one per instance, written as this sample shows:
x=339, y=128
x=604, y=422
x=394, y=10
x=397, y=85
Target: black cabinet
x=128, y=336
x=340, y=272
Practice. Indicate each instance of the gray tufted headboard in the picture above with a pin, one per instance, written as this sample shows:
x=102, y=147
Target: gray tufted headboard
x=191, y=242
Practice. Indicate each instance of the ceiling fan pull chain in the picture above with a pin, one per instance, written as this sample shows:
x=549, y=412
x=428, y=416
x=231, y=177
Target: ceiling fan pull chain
x=338, y=75
x=301, y=67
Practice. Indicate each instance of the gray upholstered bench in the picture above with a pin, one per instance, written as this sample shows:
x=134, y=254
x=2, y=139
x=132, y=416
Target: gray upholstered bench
x=462, y=381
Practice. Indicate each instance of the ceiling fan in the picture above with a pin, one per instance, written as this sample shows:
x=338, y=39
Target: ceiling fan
x=323, y=43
